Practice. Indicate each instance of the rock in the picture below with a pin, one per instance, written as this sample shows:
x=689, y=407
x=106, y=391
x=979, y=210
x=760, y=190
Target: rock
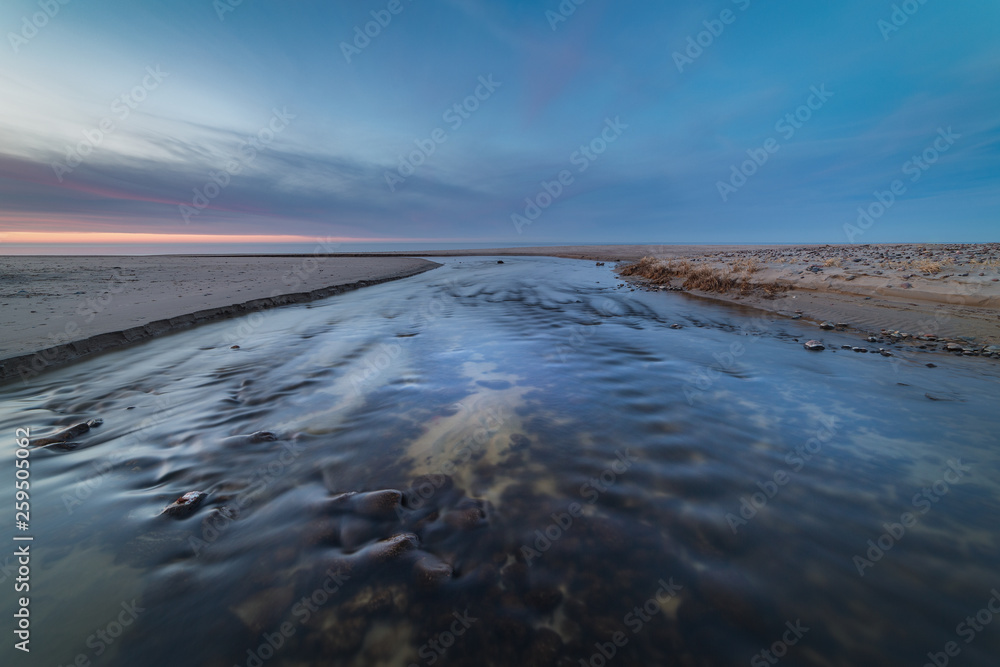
x=68, y=434
x=184, y=506
x=499, y=261
x=431, y=572
x=378, y=504
x=470, y=513
x=953, y=347
x=931, y=365
x=827, y=325
x=235, y=347
x=813, y=345
x=860, y=349
x=676, y=326
x=393, y=547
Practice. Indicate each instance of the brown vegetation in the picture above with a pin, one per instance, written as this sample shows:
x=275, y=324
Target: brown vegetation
x=702, y=278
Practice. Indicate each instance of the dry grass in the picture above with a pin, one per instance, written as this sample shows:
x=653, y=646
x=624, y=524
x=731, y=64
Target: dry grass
x=928, y=266
x=747, y=266
x=833, y=261
x=702, y=278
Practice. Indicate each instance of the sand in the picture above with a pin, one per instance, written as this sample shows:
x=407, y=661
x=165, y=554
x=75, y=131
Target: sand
x=54, y=310
x=892, y=287
x=70, y=307
x=948, y=291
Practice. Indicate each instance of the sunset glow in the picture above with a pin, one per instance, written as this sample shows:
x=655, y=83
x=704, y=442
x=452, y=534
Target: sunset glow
x=126, y=237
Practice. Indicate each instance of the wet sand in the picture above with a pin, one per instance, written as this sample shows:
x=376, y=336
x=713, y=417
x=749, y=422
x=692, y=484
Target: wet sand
x=54, y=310
x=73, y=306
x=947, y=291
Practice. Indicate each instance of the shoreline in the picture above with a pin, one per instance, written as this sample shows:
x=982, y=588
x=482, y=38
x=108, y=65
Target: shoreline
x=31, y=363
x=923, y=294
x=818, y=287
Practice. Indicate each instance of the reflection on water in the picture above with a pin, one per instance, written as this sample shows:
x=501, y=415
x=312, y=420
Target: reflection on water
x=511, y=464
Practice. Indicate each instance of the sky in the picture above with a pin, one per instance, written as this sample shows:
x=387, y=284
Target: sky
x=543, y=121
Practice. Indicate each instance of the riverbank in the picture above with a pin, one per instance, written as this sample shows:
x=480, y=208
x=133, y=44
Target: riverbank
x=55, y=310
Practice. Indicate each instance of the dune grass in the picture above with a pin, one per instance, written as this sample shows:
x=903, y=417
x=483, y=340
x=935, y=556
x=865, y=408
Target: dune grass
x=734, y=278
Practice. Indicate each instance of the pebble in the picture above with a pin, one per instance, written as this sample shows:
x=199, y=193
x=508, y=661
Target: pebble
x=813, y=345
x=827, y=325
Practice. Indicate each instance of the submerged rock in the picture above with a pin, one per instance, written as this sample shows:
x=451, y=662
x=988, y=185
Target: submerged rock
x=393, y=547
x=431, y=572
x=380, y=504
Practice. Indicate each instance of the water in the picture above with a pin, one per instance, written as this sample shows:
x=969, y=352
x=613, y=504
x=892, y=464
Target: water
x=597, y=459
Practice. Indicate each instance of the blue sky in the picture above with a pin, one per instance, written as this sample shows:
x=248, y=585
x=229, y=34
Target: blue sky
x=123, y=116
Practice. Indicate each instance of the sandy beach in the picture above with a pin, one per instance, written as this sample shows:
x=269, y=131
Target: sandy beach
x=54, y=310
x=949, y=292
x=70, y=307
